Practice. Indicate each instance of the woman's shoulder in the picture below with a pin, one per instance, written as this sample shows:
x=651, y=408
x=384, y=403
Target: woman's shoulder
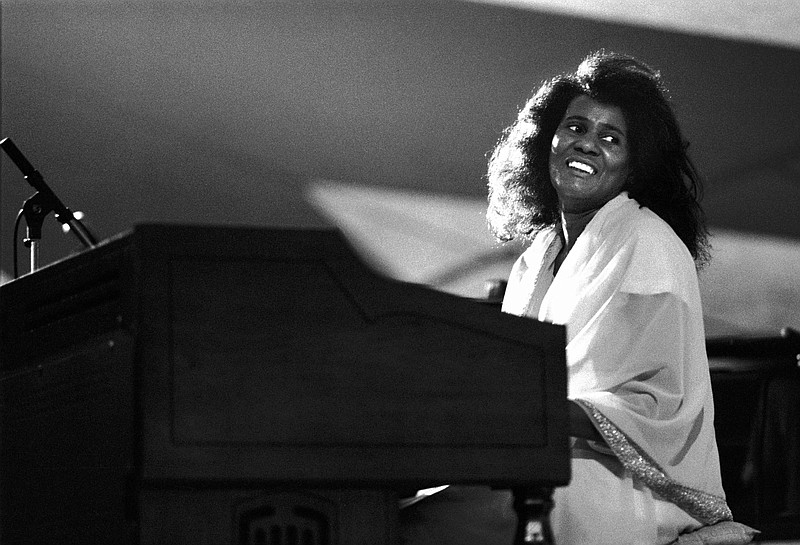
x=657, y=258
x=641, y=226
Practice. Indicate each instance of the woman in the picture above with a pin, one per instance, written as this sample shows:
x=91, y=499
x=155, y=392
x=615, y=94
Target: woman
x=595, y=171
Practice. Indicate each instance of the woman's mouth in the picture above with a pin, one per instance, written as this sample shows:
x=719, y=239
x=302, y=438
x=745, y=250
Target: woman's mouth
x=581, y=166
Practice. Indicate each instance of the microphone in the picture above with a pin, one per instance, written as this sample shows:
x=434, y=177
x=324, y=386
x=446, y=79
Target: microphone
x=35, y=179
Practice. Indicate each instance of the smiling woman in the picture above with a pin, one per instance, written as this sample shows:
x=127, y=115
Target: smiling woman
x=594, y=173
x=603, y=183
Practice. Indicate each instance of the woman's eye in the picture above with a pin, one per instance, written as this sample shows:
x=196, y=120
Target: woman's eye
x=611, y=139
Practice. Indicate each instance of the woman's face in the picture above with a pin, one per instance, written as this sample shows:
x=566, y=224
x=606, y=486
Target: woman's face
x=589, y=155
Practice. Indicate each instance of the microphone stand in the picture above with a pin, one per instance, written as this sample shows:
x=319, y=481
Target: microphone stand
x=533, y=507
x=38, y=206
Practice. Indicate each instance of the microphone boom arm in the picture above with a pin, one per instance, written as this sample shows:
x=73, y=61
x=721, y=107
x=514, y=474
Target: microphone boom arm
x=46, y=195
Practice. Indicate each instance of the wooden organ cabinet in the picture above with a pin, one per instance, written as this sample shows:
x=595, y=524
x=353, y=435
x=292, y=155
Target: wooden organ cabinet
x=188, y=384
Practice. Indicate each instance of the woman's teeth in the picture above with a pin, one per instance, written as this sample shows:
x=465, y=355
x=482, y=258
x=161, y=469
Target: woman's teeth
x=583, y=167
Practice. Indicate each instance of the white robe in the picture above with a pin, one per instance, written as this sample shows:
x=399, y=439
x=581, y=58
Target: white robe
x=628, y=294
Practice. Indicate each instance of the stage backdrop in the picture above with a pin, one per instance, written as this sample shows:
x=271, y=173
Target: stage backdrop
x=229, y=112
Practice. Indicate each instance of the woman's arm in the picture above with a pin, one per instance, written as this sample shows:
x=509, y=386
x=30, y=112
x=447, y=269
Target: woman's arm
x=580, y=425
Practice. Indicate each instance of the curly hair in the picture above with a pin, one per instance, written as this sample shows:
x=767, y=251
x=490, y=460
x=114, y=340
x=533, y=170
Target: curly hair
x=661, y=176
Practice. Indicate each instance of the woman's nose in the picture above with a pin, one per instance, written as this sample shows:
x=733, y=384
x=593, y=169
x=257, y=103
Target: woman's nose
x=588, y=144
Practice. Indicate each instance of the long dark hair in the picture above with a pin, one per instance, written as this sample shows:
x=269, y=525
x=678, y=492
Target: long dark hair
x=661, y=177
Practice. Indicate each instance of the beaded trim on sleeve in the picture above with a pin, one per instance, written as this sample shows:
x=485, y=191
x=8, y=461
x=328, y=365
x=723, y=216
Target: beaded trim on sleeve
x=707, y=508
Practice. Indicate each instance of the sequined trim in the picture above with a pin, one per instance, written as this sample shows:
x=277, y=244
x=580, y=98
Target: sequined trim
x=707, y=508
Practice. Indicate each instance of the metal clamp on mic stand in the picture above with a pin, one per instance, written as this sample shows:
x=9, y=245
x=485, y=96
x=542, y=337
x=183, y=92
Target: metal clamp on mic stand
x=38, y=206
x=34, y=210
